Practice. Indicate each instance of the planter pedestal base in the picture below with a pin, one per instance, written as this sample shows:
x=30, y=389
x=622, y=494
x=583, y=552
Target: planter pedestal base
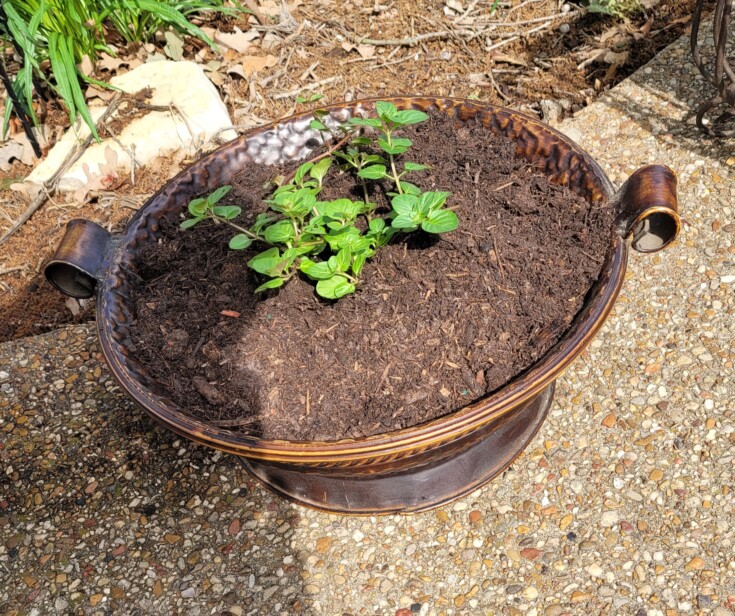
x=414, y=489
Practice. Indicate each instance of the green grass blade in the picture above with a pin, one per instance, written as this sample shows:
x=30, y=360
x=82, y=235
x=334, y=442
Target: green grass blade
x=98, y=83
x=171, y=16
x=61, y=74
x=76, y=90
x=17, y=26
x=36, y=20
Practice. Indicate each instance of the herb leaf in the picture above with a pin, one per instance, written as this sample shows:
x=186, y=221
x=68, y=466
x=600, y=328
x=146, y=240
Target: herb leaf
x=190, y=222
x=265, y=262
x=218, y=194
x=273, y=283
x=440, y=221
x=409, y=116
x=240, y=242
x=228, y=212
x=335, y=287
x=374, y=172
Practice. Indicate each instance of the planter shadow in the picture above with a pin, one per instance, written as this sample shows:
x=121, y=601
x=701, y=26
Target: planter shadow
x=403, y=471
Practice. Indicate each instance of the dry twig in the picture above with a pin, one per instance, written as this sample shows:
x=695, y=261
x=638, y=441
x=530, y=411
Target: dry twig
x=253, y=8
x=405, y=42
x=9, y=270
x=307, y=87
x=49, y=186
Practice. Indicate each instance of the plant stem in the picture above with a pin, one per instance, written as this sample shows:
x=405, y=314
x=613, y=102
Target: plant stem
x=395, y=177
x=289, y=178
x=364, y=190
x=247, y=232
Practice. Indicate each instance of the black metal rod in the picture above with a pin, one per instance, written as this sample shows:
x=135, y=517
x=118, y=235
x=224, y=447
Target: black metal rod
x=12, y=94
x=19, y=111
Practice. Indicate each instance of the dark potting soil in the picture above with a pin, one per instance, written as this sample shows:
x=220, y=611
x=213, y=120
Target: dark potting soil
x=436, y=323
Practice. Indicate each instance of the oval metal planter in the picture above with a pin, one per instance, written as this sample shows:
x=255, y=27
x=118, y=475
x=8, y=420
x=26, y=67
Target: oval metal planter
x=402, y=471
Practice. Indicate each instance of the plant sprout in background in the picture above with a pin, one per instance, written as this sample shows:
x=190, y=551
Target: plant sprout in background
x=65, y=31
x=342, y=233
x=617, y=8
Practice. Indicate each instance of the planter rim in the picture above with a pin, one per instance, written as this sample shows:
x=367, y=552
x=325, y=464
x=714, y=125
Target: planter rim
x=457, y=423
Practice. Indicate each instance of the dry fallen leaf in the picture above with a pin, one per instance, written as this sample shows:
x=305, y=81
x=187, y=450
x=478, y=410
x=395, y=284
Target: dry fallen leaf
x=452, y=7
x=254, y=64
x=230, y=55
x=616, y=58
x=104, y=179
x=101, y=93
x=272, y=8
x=109, y=63
x=174, y=46
x=611, y=33
x=237, y=69
x=86, y=65
x=19, y=148
x=9, y=151
x=366, y=51
x=591, y=56
x=237, y=40
x=216, y=78
x=270, y=41
x=73, y=305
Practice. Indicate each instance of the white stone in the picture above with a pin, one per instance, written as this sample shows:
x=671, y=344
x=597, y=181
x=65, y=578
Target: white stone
x=530, y=593
x=727, y=279
x=609, y=518
x=182, y=85
x=575, y=135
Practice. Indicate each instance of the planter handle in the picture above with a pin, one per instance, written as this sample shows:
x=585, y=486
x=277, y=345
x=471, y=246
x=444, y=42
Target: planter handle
x=78, y=262
x=647, y=208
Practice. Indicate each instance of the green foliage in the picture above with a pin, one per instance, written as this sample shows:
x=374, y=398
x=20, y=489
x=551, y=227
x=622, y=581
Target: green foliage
x=617, y=8
x=64, y=31
x=303, y=100
x=330, y=241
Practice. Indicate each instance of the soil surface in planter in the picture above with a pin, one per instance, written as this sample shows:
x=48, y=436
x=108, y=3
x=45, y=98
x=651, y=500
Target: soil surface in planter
x=436, y=323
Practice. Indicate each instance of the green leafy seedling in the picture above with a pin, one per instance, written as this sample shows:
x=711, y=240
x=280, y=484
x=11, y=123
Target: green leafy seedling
x=330, y=242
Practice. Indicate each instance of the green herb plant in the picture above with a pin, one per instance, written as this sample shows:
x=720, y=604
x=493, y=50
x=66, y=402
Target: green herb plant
x=330, y=241
x=306, y=100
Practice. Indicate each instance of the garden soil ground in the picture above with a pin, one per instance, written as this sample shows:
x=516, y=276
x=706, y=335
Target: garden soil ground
x=540, y=66
x=436, y=323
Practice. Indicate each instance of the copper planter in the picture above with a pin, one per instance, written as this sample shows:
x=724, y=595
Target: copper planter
x=403, y=471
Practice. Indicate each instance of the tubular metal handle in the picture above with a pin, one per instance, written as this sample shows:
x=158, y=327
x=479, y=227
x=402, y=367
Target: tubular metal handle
x=78, y=262
x=647, y=208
